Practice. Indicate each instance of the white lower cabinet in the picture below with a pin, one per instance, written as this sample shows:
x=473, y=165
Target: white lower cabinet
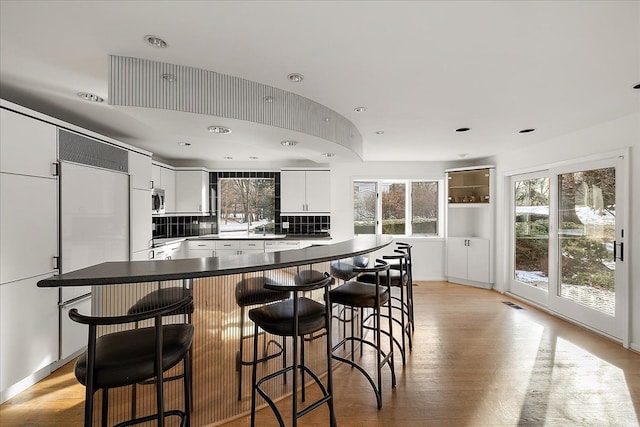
x=141, y=233
x=28, y=334
x=200, y=248
x=73, y=335
x=281, y=245
x=145, y=255
x=468, y=259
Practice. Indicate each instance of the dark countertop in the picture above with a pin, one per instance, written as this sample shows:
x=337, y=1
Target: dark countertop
x=109, y=273
x=169, y=240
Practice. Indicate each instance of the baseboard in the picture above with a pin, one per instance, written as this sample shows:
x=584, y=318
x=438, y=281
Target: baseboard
x=24, y=384
x=634, y=347
x=473, y=283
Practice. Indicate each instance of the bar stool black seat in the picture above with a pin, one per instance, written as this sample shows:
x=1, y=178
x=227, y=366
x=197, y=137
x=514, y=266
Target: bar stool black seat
x=252, y=291
x=131, y=356
x=161, y=297
x=373, y=296
x=295, y=318
x=399, y=279
x=343, y=270
x=406, y=248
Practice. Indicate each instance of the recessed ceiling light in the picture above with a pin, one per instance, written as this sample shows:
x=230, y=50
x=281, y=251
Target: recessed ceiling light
x=155, y=41
x=360, y=109
x=379, y=132
x=295, y=77
x=269, y=99
x=526, y=130
x=170, y=78
x=325, y=119
x=90, y=97
x=637, y=86
x=253, y=158
x=289, y=143
x=219, y=129
x=328, y=154
x=228, y=158
x=184, y=144
x=463, y=129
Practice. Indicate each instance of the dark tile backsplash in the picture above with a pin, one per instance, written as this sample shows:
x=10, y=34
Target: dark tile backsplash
x=185, y=226
x=305, y=225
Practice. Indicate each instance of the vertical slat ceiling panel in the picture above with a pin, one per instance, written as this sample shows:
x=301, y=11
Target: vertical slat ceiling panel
x=139, y=83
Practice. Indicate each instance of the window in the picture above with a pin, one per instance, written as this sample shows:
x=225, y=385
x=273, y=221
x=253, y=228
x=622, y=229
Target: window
x=397, y=207
x=247, y=206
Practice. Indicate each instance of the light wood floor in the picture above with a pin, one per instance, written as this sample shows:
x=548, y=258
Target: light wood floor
x=475, y=362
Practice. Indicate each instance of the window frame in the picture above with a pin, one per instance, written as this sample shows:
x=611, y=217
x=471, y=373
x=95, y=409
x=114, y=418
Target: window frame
x=408, y=185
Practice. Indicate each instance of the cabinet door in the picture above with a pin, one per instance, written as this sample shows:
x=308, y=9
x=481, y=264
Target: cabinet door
x=192, y=191
x=156, y=177
x=28, y=329
x=292, y=191
x=29, y=226
x=141, y=233
x=140, y=171
x=73, y=335
x=27, y=146
x=478, y=260
x=457, y=257
x=318, y=195
x=142, y=255
x=168, y=181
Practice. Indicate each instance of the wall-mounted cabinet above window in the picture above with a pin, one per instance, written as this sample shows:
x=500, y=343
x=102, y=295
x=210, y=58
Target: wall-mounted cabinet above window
x=305, y=192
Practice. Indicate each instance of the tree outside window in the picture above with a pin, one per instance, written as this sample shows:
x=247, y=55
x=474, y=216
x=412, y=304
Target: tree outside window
x=399, y=200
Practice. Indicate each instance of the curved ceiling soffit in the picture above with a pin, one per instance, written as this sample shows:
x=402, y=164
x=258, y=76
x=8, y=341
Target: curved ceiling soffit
x=136, y=82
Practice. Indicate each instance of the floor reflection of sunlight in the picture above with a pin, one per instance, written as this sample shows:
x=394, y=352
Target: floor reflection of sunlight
x=589, y=388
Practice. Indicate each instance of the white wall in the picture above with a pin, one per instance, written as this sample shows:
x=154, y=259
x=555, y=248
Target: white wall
x=609, y=136
x=428, y=253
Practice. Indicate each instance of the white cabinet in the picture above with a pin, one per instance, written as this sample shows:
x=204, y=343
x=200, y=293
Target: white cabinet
x=305, y=191
x=28, y=251
x=192, y=191
x=28, y=333
x=200, y=248
x=468, y=259
x=165, y=178
x=141, y=233
x=281, y=245
x=27, y=146
x=140, y=171
x=470, y=226
x=169, y=251
x=29, y=224
x=73, y=335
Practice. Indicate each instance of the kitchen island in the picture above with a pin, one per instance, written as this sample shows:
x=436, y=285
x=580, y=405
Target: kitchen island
x=116, y=286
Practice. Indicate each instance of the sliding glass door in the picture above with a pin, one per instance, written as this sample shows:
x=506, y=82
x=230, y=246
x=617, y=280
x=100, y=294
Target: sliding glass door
x=568, y=243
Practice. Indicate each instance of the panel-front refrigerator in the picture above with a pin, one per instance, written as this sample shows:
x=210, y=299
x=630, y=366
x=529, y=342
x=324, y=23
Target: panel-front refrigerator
x=94, y=228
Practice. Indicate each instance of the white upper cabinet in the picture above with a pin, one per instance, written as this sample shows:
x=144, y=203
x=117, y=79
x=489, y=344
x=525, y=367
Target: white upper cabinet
x=140, y=171
x=27, y=146
x=29, y=226
x=192, y=191
x=165, y=179
x=305, y=191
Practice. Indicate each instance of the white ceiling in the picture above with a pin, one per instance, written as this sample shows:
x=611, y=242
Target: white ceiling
x=422, y=69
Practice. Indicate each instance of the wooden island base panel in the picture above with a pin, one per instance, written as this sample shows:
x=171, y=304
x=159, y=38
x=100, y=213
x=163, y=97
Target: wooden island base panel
x=116, y=286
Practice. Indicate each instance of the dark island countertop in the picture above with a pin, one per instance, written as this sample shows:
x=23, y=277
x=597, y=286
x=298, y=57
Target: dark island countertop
x=122, y=272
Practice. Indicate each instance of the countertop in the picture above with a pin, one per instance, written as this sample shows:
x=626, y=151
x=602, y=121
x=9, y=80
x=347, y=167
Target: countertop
x=112, y=273
x=169, y=240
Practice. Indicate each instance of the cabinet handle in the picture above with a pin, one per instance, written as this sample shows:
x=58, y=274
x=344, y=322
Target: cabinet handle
x=56, y=262
x=151, y=185
x=152, y=255
x=55, y=171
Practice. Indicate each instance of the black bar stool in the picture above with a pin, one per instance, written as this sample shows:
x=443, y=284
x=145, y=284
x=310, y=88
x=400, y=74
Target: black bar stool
x=406, y=248
x=374, y=296
x=159, y=298
x=343, y=270
x=295, y=317
x=132, y=356
x=398, y=279
x=253, y=291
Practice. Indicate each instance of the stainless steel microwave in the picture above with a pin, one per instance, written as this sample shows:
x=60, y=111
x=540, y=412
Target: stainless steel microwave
x=157, y=201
